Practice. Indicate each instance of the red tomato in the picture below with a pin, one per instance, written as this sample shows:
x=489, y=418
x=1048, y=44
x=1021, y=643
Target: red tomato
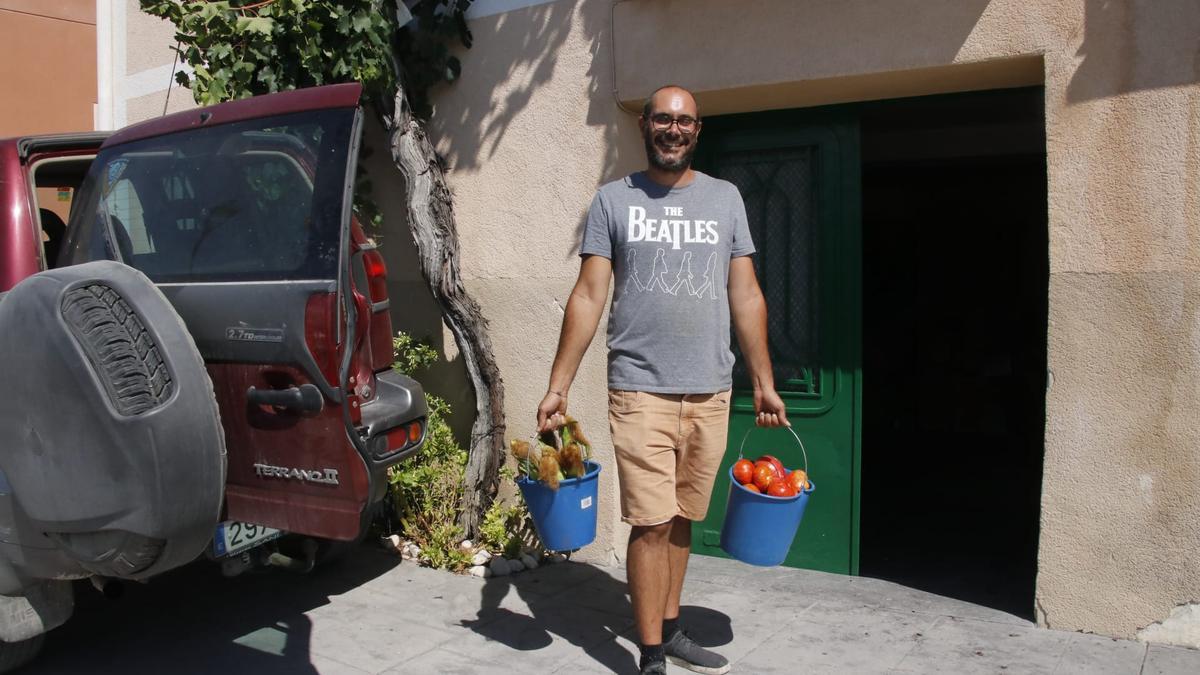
x=770, y=466
x=798, y=479
x=764, y=475
x=743, y=471
x=780, y=488
x=752, y=487
x=780, y=472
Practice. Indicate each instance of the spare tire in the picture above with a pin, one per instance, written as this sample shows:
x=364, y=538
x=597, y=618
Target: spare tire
x=113, y=445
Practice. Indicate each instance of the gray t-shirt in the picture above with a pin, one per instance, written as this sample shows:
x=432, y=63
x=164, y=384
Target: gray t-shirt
x=668, y=328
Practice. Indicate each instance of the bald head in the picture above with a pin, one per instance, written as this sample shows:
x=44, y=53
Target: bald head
x=671, y=98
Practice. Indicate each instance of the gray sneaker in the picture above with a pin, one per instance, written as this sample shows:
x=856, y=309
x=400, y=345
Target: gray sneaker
x=684, y=652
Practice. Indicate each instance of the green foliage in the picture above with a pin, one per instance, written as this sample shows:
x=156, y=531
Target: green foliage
x=240, y=48
x=412, y=355
x=426, y=489
x=504, y=525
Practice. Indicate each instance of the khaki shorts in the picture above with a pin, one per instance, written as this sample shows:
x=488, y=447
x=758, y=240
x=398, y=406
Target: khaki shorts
x=669, y=448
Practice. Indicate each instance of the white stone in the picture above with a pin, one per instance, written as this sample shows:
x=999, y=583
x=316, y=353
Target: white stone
x=391, y=541
x=516, y=565
x=480, y=571
x=481, y=558
x=499, y=567
x=528, y=561
x=1181, y=628
x=466, y=545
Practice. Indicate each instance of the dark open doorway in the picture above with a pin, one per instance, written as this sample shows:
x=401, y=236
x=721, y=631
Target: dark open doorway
x=955, y=274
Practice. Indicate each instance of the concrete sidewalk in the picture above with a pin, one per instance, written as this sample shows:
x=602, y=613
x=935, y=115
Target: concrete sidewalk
x=374, y=614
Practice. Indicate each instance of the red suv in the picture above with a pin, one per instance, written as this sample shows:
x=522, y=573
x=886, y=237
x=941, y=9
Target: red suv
x=199, y=360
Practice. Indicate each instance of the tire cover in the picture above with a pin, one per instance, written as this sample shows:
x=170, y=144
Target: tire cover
x=110, y=429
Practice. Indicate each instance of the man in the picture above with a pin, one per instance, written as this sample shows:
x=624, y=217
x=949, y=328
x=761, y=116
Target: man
x=678, y=245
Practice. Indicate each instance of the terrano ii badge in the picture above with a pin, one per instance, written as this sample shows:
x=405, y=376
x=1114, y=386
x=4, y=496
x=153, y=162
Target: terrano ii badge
x=326, y=476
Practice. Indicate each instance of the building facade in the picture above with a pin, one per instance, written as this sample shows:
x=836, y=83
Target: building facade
x=979, y=232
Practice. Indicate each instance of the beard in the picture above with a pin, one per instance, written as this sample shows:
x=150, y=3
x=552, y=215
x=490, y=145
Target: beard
x=660, y=161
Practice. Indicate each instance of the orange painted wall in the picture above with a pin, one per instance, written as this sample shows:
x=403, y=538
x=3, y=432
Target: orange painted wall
x=47, y=66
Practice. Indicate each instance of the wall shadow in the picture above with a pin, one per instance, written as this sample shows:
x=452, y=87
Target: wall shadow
x=783, y=41
x=522, y=51
x=1136, y=46
x=515, y=55
x=413, y=308
x=623, y=150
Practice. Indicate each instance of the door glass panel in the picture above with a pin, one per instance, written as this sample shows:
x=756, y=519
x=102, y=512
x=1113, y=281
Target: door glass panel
x=258, y=200
x=778, y=188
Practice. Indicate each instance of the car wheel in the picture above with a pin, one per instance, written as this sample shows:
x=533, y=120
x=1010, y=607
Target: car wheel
x=13, y=655
x=114, y=449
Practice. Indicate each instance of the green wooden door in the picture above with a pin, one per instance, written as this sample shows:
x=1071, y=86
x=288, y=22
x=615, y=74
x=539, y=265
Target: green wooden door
x=798, y=173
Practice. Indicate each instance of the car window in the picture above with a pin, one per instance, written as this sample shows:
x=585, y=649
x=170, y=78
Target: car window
x=125, y=207
x=257, y=200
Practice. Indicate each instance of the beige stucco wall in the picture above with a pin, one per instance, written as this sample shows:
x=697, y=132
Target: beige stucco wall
x=532, y=129
x=137, y=66
x=529, y=132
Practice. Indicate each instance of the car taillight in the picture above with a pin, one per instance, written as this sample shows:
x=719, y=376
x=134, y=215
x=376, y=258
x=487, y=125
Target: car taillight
x=403, y=437
x=376, y=276
x=319, y=319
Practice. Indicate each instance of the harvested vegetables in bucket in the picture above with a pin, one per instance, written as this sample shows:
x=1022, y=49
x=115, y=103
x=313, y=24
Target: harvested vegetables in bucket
x=560, y=484
x=765, y=507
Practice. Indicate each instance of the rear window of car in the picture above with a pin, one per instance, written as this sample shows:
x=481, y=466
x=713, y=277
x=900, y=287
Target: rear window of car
x=246, y=201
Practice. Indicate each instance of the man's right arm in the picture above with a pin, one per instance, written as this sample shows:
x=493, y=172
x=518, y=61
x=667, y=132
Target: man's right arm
x=582, y=317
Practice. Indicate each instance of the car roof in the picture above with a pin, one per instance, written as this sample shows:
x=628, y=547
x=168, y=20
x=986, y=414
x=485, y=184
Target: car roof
x=282, y=103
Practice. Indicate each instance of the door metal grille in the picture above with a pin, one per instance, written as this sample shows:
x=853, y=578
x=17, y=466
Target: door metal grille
x=778, y=187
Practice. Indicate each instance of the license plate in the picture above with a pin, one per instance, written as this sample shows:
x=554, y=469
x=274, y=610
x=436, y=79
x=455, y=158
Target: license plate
x=233, y=536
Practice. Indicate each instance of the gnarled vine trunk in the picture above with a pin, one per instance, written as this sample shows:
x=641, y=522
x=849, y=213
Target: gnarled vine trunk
x=431, y=219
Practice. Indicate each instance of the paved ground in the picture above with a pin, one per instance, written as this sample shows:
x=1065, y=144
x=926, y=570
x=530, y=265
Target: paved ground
x=374, y=614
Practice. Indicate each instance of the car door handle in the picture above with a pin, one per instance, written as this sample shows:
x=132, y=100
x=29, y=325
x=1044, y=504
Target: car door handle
x=305, y=399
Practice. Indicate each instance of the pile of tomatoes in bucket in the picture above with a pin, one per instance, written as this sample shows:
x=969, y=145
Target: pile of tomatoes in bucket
x=768, y=476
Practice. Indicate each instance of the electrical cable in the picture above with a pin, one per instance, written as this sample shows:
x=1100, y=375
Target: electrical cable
x=612, y=36
x=171, y=79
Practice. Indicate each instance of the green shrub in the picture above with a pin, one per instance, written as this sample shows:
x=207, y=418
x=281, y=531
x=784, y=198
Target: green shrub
x=425, y=490
x=506, y=527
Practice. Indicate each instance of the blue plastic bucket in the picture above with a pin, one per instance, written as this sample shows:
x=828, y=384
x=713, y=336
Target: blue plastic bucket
x=759, y=529
x=565, y=518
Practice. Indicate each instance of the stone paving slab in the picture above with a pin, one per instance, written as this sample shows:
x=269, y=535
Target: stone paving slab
x=375, y=614
x=1162, y=660
x=1100, y=655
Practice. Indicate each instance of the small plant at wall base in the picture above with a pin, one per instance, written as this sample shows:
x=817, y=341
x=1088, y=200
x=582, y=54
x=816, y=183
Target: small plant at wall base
x=506, y=526
x=424, y=491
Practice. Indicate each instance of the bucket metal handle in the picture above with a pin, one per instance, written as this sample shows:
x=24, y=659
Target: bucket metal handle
x=741, y=448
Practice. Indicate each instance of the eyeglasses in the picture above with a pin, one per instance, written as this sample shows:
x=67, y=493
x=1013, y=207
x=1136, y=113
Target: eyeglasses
x=662, y=121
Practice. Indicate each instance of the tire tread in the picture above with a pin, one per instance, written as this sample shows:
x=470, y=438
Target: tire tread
x=120, y=348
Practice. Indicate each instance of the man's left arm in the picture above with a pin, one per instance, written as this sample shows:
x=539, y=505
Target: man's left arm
x=748, y=309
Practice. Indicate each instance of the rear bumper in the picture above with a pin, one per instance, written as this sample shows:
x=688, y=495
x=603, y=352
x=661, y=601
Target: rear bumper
x=399, y=400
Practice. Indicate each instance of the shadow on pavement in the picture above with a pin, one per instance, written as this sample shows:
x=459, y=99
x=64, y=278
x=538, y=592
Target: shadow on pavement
x=583, y=605
x=193, y=620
